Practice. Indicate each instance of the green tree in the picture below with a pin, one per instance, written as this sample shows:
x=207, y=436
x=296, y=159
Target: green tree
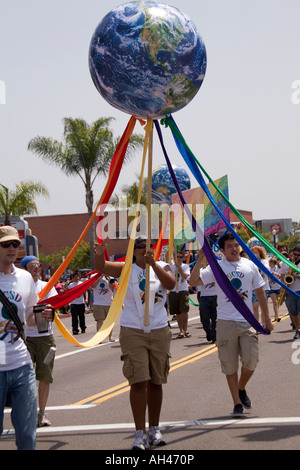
x=86, y=151
x=21, y=201
x=80, y=260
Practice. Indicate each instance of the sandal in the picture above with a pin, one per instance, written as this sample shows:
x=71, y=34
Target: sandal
x=187, y=334
x=179, y=336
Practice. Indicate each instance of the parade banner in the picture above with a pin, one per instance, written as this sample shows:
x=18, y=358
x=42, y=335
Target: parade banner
x=208, y=217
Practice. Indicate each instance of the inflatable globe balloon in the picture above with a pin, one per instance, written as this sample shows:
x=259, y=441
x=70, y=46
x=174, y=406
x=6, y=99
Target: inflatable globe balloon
x=163, y=186
x=147, y=59
x=254, y=242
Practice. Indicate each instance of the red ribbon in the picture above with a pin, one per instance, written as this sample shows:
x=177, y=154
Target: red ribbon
x=59, y=300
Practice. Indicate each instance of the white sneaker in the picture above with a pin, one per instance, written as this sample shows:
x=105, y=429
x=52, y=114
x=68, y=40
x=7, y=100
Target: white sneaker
x=155, y=437
x=141, y=441
x=42, y=420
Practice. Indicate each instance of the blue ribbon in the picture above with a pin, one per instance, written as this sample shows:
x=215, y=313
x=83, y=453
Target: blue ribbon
x=190, y=161
x=219, y=274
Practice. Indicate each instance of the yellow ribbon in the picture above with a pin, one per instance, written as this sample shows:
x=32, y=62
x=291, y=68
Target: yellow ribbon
x=118, y=300
x=60, y=270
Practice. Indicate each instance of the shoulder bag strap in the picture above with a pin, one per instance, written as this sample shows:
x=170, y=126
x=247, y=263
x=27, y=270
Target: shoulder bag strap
x=12, y=313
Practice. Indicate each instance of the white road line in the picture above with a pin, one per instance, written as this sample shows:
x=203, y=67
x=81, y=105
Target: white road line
x=80, y=350
x=63, y=407
x=175, y=424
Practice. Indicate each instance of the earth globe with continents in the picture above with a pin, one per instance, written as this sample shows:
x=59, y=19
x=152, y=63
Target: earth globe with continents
x=147, y=59
x=163, y=186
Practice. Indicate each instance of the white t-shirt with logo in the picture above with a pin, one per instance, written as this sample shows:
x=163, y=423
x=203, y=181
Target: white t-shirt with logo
x=182, y=284
x=32, y=331
x=244, y=276
x=103, y=295
x=20, y=290
x=207, y=289
x=133, y=314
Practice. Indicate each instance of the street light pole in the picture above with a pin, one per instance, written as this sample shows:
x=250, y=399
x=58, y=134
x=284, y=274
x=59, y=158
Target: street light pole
x=274, y=233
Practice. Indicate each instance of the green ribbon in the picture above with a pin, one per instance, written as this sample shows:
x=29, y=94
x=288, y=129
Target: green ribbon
x=167, y=122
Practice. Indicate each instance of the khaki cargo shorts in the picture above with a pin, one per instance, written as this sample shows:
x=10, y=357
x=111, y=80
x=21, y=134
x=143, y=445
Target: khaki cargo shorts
x=38, y=348
x=234, y=340
x=145, y=356
x=100, y=311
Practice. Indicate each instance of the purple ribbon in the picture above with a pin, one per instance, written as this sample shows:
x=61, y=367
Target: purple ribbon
x=219, y=274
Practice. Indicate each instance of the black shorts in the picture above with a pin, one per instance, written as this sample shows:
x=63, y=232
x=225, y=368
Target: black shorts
x=178, y=302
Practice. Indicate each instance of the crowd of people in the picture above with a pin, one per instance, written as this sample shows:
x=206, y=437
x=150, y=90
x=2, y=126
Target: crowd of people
x=26, y=376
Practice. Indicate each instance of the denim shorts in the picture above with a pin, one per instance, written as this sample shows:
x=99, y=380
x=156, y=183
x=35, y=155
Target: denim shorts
x=274, y=291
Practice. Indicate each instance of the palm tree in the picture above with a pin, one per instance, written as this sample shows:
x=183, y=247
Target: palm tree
x=129, y=195
x=20, y=201
x=86, y=151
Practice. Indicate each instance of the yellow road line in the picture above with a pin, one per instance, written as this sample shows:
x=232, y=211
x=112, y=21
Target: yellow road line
x=124, y=387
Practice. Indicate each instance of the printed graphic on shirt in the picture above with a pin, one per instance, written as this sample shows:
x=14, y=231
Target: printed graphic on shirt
x=7, y=326
x=235, y=278
x=102, y=288
x=142, y=285
x=209, y=286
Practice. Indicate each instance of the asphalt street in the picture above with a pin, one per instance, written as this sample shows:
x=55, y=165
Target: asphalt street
x=89, y=407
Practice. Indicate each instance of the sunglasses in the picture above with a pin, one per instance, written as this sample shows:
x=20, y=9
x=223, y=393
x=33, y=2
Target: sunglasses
x=142, y=245
x=34, y=265
x=179, y=256
x=14, y=243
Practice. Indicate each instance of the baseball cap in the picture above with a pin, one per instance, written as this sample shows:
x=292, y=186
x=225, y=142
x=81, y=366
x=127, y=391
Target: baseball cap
x=8, y=233
x=27, y=259
x=139, y=240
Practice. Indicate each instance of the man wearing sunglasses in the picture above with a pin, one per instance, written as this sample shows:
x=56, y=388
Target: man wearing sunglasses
x=179, y=295
x=292, y=302
x=39, y=344
x=17, y=377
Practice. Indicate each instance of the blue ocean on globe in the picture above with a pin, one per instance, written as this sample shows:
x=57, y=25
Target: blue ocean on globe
x=163, y=186
x=147, y=59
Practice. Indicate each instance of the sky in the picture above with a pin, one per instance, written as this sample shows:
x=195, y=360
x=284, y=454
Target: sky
x=243, y=122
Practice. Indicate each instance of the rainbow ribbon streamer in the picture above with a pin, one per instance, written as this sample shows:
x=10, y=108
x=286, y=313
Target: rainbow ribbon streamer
x=194, y=165
x=118, y=300
x=219, y=274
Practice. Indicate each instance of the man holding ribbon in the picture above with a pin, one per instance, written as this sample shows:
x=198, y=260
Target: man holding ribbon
x=235, y=336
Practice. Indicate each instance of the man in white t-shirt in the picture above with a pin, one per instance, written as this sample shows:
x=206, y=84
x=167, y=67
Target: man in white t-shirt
x=17, y=377
x=103, y=289
x=207, y=298
x=235, y=336
x=78, y=307
x=39, y=344
x=179, y=296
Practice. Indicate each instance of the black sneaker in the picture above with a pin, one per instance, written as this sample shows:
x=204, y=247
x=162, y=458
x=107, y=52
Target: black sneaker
x=238, y=411
x=246, y=402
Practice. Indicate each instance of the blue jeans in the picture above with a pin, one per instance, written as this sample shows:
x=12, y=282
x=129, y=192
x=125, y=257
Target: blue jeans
x=293, y=304
x=18, y=390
